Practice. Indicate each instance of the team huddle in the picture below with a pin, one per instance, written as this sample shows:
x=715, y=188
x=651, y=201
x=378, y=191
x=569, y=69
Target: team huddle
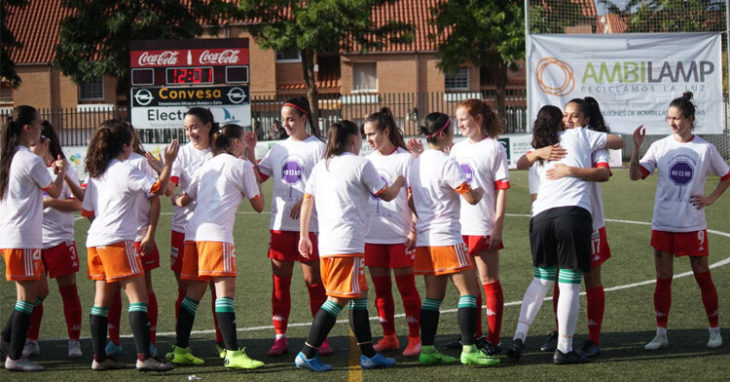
x=405, y=209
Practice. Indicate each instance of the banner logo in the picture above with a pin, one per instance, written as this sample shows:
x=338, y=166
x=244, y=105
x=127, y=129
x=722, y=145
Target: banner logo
x=568, y=84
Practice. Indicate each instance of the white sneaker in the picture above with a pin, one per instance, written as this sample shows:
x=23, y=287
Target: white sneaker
x=715, y=340
x=31, y=348
x=23, y=364
x=151, y=364
x=107, y=364
x=660, y=341
x=74, y=349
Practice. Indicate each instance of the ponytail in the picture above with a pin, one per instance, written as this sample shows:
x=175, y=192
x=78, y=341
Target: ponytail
x=301, y=105
x=490, y=124
x=433, y=124
x=223, y=138
x=548, y=124
x=384, y=120
x=12, y=130
x=685, y=105
x=338, y=138
x=105, y=145
x=54, y=147
x=588, y=106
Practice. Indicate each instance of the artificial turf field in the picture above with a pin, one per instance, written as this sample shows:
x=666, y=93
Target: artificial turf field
x=628, y=324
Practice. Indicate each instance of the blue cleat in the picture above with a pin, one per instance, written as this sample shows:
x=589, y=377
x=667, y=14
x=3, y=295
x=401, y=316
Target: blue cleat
x=312, y=364
x=376, y=361
x=113, y=350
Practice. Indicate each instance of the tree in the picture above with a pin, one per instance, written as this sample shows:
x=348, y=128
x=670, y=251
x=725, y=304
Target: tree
x=644, y=16
x=7, y=66
x=483, y=33
x=94, y=41
x=317, y=26
x=554, y=16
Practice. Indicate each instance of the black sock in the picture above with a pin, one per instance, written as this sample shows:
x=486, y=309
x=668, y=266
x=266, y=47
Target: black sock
x=467, y=318
x=140, y=323
x=360, y=325
x=429, y=324
x=323, y=322
x=8, y=327
x=18, y=332
x=99, y=326
x=227, y=323
x=185, y=320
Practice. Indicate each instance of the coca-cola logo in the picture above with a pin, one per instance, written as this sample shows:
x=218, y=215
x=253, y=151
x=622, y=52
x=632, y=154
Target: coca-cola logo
x=228, y=56
x=166, y=58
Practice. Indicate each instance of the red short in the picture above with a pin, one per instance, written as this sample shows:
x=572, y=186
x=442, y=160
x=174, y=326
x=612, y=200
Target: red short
x=284, y=246
x=177, y=249
x=388, y=255
x=152, y=260
x=681, y=243
x=478, y=244
x=600, y=251
x=61, y=260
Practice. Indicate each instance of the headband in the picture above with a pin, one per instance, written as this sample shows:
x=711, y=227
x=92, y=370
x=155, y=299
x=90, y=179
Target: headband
x=296, y=107
x=448, y=121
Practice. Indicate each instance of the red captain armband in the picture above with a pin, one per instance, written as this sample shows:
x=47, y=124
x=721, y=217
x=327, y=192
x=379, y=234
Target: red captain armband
x=726, y=177
x=604, y=165
x=463, y=188
x=262, y=175
x=83, y=186
x=175, y=179
x=86, y=213
x=644, y=172
x=257, y=197
x=381, y=191
x=47, y=188
x=307, y=196
x=501, y=185
x=155, y=187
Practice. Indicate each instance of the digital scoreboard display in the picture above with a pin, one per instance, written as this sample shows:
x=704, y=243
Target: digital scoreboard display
x=187, y=76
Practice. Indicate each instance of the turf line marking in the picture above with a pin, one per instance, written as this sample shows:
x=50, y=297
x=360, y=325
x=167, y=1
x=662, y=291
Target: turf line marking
x=354, y=371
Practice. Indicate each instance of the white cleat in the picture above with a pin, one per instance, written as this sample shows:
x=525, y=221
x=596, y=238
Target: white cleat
x=23, y=364
x=659, y=342
x=107, y=364
x=31, y=348
x=715, y=340
x=74, y=349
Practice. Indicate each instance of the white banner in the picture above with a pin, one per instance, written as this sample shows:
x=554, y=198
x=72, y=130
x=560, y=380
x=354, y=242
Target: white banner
x=633, y=77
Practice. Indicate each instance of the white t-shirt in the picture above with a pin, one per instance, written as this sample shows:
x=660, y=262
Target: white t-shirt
x=219, y=186
x=433, y=178
x=683, y=169
x=290, y=163
x=58, y=226
x=341, y=187
x=484, y=164
x=111, y=197
x=389, y=222
x=21, y=209
x=580, y=143
x=188, y=160
x=142, y=203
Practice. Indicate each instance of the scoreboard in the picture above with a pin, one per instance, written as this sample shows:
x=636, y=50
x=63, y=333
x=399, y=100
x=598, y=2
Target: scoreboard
x=170, y=76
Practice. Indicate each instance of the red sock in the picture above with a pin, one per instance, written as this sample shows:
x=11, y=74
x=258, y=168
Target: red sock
x=478, y=333
x=35, y=323
x=280, y=303
x=317, y=297
x=384, y=303
x=114, y=318
x=71, y=310
x=495, y=306
x=152, y=314
x=411, y=303
x=709, y=297
x=218, y=334
x=662, y=301
x=180, y=296
x=556, y=296
x=596, y=305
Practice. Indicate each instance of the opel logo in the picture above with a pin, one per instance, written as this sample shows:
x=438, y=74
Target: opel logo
x=236, y=95
x=143, y=97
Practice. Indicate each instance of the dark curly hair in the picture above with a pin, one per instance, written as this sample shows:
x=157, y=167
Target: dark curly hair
x=105, y=145
x=548, y=124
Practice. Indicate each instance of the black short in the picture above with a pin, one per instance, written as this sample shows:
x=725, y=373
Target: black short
x=562, y=236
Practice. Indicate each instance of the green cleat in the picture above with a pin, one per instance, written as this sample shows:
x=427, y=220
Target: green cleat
x=220, y=350
x=470, y=355
x=183, y=356
x=239, y=360
x=430, y=356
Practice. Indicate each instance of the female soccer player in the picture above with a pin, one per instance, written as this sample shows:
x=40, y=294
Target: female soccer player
x=339, y=188
x=109, y=201
x=59, y=254
x=217, y=187
x=23, y=179
x=436, y=182
x=290, y=163
x=560, y=228
x=484, y=162
x=391, y=234
x=678, y=224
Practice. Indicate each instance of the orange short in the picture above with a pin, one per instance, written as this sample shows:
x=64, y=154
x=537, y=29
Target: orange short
x=114, y=262
x=681, y=243
x=442, y=260
x=23, y=263
x=206, y=259
x=344, y=275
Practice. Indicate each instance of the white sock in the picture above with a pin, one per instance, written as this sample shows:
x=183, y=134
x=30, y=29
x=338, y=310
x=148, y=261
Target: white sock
x=567, y=315
x=531, y=303
x=661, y=331
x=280, y=336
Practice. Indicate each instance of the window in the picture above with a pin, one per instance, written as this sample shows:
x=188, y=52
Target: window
x=364, y=77
x=458, y=80
x=6, y=94
x=289, y=55
x=92, y=90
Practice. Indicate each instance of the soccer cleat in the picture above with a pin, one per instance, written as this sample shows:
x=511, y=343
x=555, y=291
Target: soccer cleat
x=388, y=342
x=325, y=348
x=514, y=350
x=31, y=348
x=151, y=364
x=182, y=356
x=560, y=358
x=715, y=340
x=590, y=349
x=280, y=347
x=114, y=350
x=490, y=349
x=220, y=349
x=413, y=348
x=107, y=364
x=430, y=356
x=74, y=349
x=22, y=364
x=471, y=355
x=551, y=343
x=238, y=359
x=312, y=364
x=375, y=362
x=660, y=341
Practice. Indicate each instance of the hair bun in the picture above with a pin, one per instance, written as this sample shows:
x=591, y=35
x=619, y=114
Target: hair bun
x=687, y=95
